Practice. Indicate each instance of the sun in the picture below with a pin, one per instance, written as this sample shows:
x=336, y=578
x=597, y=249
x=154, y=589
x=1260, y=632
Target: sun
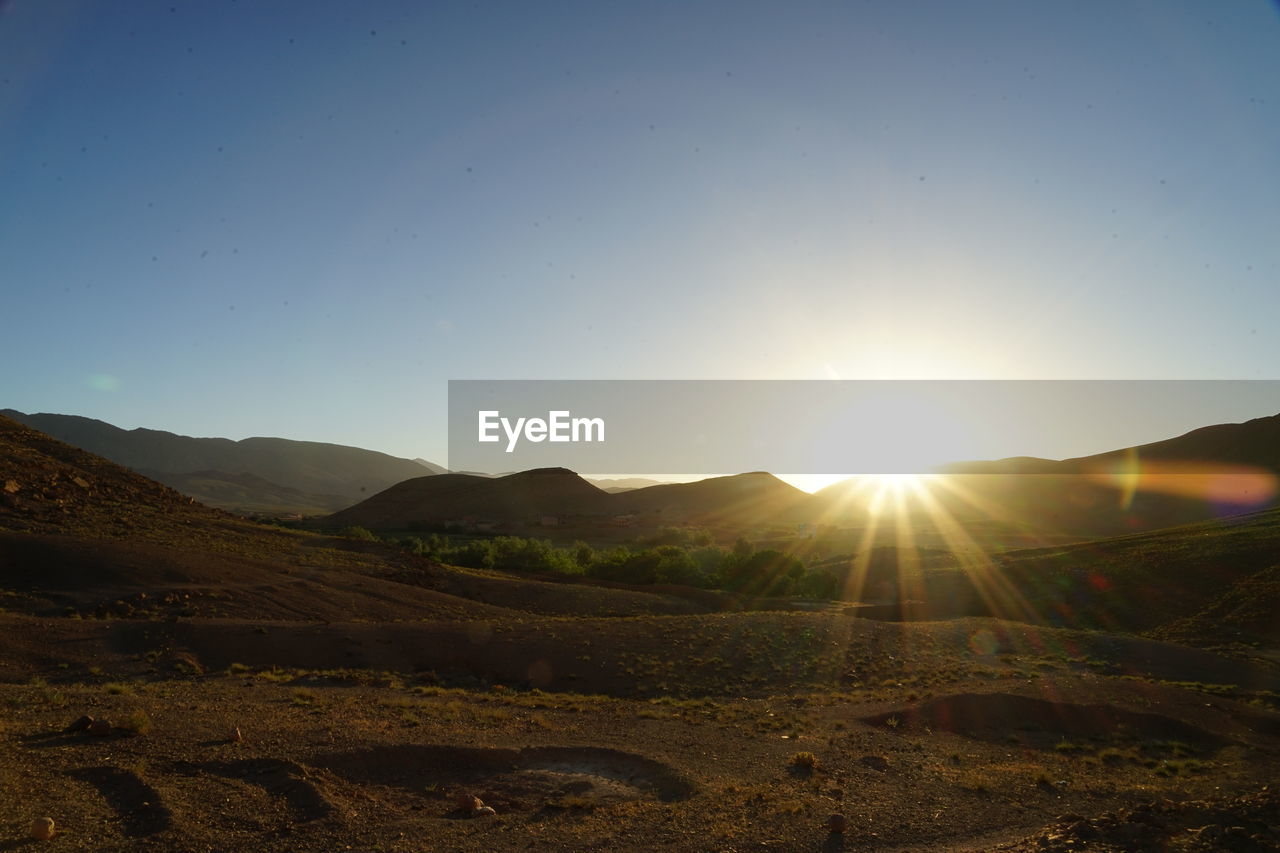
x=889, y=483
x=891, y=492
x=897, y=483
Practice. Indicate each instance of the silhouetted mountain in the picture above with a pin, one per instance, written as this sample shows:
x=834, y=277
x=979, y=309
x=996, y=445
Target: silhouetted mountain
x=520, y=498
x=624, y=484
x=324, y=476
x=1211, y=472
x=742, y=499
x=431, y=466
x=1254, y=443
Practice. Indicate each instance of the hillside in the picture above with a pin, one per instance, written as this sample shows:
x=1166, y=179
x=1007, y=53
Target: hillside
x=271, y=689
x=1215, y=472
x=525, y=498
x=299, y=475
x=740, y=500
x=49, y=486
x=1253, y=443
x=1210, y=584
x=516, y=498
x=624, y=484
x=80, y=534
x=1212, y=472
x=247, y=493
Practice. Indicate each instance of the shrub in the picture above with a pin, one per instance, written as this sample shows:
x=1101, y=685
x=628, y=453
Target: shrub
x=358, y=532
x=138, y=723
x=767, y=572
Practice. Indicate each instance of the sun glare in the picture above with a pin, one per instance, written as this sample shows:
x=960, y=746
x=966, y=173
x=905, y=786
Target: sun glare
x=897, y=482
x=878, y=482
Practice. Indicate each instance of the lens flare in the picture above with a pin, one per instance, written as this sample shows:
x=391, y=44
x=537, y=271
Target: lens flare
x=103, y=382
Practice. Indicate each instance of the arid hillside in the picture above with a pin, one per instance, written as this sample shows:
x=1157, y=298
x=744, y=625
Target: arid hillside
x=255, y=474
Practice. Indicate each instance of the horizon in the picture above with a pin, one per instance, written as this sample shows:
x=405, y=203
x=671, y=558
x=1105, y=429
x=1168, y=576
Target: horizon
x=809, y=483
x=305, y=225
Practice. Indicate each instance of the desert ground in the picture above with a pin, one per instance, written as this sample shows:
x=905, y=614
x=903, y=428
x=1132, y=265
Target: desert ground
x=255, y=688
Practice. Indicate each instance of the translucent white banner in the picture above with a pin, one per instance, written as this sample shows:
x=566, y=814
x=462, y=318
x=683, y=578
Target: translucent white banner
x=704, y=427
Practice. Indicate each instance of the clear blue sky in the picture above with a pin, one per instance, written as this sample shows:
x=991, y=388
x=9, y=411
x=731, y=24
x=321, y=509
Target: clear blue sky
x=302, y=219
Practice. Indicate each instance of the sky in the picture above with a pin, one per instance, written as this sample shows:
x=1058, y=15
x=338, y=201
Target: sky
x=268, y=218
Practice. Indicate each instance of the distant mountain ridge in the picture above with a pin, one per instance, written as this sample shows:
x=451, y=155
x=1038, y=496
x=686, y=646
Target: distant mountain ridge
x=297, y=476
x=519, y=497
x=1209, y=472
x=1216, y=471
x=1254, y=443
x=530, y=496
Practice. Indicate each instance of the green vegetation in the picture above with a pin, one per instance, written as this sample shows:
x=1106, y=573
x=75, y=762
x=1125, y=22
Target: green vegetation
x=358, y=532
x=138, y=722
x=683, y=556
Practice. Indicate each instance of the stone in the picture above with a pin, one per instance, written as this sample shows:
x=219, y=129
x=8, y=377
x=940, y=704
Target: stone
x=81, y=724
x=42, y=828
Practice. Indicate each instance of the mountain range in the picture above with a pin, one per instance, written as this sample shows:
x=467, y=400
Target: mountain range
x=250, y=475
x=529, y=497
x=1209, y=472
x=270, y=476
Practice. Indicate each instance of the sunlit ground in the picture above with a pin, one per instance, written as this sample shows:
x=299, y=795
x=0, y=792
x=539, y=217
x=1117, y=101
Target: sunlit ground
x=966, y=520
x=973, y=517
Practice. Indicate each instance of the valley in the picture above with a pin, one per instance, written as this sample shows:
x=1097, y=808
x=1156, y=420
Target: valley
x=298, y=690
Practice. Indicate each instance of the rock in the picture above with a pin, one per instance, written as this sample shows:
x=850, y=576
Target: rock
x=468, y=803
x=1208, y=833
x=81, y=724
x=836, y=824
x=99, y=728
x=1130, y=831
x=482, y=811
x=11, y=486
x=42, y=828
